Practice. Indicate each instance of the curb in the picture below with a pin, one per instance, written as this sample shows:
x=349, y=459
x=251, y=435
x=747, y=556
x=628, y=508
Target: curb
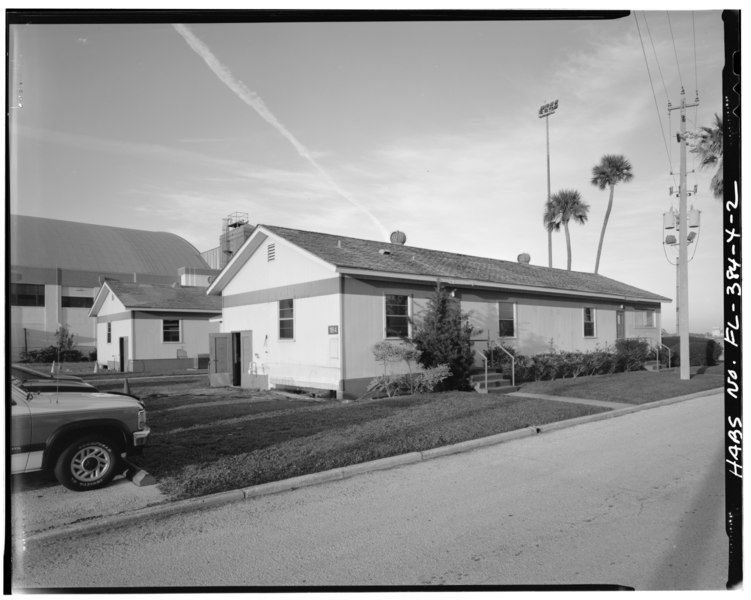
x=274, y=487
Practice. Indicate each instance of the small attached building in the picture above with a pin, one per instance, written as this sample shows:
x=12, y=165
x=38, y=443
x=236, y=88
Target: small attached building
x=304, y=309
x=150, y=328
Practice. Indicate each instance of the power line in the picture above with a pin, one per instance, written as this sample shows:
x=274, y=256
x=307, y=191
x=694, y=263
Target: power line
x=657, y=106
x=657, y=60
x=677, y=63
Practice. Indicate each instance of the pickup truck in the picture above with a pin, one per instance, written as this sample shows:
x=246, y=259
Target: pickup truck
x=79, y=435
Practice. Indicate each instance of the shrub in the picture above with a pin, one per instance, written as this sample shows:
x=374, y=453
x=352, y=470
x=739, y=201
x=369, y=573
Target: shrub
x=631, y=354
x=443, y=337
x=703, y=351
x=409, y=383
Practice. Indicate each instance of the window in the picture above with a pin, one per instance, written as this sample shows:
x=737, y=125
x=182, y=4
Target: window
x=109, y=333
x=647, y=319
x=77, y=302
x=589, y=322
x=397, y=316
x=171, y=330
x=286, y=319
x=507, y=319
x=26, y=294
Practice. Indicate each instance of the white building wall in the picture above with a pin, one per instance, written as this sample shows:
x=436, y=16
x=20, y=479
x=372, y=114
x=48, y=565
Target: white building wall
x=290, y=266
x=311, y=359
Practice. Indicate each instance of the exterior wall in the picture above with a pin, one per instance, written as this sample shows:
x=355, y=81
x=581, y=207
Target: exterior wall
x=251, y=303
x=311, y=359
x=290, y=266
x=28, y=330
x=41, y=323
x=542, y=322
x=109, y=353
x=365, y=323
x=148, y=344
x=145, y=349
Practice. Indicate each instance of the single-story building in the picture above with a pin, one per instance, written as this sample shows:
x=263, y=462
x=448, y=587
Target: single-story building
x=304, y=309
x=150, y=327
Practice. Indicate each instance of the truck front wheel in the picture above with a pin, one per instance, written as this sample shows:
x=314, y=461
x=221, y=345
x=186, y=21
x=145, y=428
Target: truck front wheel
x=89, y=463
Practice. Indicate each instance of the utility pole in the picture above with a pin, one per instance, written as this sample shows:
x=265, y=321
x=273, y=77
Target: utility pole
x=683, y=244
x=545, y=111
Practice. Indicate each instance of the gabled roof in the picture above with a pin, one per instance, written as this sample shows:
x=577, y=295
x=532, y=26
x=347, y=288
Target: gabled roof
x=383, y=259
x=143, y=296
x=49, y=243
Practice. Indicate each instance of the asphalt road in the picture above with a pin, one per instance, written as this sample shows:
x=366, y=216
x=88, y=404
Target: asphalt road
x=635, y=501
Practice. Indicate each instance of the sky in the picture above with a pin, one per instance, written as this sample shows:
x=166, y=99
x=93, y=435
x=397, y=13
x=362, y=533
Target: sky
x=361, y=129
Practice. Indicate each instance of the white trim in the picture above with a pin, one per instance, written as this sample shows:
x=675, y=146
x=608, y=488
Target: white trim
x=179, y=331
x=594, y=322
x=279, y=320
x=410, y=303
x=498, y=319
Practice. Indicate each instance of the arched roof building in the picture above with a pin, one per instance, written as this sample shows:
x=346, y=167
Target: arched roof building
x=57, y=267
x=85, y=253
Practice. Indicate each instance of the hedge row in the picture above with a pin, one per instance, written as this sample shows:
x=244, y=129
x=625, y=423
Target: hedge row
x=627, y=355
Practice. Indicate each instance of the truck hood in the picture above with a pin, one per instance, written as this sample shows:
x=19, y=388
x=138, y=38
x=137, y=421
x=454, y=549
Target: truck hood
x=85, y=400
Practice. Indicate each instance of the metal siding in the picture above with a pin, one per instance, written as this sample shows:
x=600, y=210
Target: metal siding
x=98, y=248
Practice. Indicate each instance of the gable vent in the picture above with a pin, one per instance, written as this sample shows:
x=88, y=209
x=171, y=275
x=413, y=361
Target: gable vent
x=271, y=252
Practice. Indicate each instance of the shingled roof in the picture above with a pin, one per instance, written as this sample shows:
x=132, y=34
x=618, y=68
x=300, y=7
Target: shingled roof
x=387, y=259
x=142, y=296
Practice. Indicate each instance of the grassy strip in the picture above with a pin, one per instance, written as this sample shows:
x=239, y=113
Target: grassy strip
x=637, y=387
x=227, y=447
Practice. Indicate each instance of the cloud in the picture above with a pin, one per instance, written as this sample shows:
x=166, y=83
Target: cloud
x=256, y=103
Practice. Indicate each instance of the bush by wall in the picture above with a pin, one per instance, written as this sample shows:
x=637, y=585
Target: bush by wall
x=631, y=354
x=628, y=355
x=703, y=351
x=409, y=383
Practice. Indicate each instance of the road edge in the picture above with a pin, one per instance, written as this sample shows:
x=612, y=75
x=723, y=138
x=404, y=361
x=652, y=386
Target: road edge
x=243, y=494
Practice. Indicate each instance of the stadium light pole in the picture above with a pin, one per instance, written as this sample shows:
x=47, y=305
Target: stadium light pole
x=545, y=111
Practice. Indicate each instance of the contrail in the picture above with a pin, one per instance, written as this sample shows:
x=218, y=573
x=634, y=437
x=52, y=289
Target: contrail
x=256, y=103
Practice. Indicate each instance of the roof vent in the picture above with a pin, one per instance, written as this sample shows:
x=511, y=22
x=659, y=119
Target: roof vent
x=385, y=252
x=398, y=237
x=524, y=258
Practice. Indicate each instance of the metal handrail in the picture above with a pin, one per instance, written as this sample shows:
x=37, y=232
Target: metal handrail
x=658, y=354
x=485, y=359
x=513, y=369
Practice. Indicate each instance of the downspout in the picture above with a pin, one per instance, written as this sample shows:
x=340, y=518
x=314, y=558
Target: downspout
x=342, y=374
x=132, y=344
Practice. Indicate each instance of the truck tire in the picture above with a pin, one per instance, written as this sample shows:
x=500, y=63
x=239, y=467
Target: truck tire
x=89, y=463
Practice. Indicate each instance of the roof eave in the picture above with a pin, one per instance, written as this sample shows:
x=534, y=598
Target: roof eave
x=495, y=285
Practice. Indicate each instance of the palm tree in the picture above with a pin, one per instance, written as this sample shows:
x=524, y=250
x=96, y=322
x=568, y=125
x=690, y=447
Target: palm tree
x=613, y=169
x=562, y=208
x=709, y=148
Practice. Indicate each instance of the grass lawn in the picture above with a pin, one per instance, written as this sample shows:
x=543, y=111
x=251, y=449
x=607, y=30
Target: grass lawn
x=636, y=387
x=206, y=442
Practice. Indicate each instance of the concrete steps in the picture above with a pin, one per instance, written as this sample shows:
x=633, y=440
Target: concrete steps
x=498, y=383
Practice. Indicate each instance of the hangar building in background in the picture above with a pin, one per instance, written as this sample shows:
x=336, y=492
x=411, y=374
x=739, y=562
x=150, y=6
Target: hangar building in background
x=57, y=267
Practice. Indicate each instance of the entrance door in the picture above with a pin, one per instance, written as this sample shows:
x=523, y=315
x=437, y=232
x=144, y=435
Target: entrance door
x=247, y=365
x=123, y=343
x=219, y=359
x=620, y=325
x=237, y=360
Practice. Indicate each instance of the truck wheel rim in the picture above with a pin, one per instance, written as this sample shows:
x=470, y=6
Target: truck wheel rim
x=90, y=463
